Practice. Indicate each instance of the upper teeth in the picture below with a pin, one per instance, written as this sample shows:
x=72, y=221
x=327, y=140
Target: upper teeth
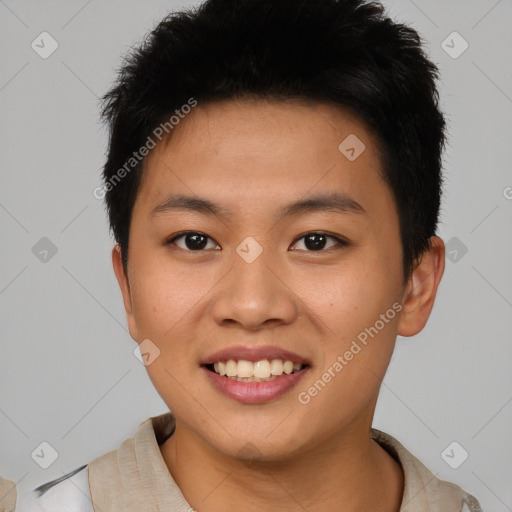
x=260, y=369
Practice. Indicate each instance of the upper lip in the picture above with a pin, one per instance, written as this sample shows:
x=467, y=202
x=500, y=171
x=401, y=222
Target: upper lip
x=254, y=354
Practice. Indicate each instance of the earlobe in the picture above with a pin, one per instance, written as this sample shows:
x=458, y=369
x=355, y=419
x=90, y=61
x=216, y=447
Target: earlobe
x=420, y=292
x=124, y=285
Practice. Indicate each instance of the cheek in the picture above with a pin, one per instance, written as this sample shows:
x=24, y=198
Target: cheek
x=162, y=297
x=359, y=310
x=355, y=296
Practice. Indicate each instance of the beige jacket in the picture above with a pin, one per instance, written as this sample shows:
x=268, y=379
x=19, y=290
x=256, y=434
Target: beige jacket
x=134, y=478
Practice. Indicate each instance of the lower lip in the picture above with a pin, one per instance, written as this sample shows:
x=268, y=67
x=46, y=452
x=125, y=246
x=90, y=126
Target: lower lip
x=255, y=392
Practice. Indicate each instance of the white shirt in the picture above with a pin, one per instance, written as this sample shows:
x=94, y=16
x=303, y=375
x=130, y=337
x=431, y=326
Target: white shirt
x=71, y=494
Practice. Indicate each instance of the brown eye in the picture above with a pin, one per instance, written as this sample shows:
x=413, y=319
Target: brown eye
x=192, y=241
x=316, y=242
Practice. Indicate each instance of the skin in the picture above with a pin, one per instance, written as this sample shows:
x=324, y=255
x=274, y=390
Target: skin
x=254, y=157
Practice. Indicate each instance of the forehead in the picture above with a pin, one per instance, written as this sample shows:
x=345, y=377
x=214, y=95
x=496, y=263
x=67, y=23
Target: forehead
x=260, y=152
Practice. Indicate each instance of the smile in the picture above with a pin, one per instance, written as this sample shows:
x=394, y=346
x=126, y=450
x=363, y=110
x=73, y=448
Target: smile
x=254, y=374
x=263, y=370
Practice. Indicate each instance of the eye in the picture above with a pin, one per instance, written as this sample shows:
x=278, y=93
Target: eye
x=316, y=242
x=197, y=241
x=192, y=241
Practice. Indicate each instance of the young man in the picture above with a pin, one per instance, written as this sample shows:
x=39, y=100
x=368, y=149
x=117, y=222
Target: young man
x=273, y=184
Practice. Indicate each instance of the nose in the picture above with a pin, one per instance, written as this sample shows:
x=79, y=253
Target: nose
x=254, y=296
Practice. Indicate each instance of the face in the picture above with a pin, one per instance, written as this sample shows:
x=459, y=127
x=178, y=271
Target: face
x=255, y=236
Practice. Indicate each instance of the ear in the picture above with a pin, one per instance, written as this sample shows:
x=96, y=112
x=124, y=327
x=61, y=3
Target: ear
x=124, y=285
x=421, y=289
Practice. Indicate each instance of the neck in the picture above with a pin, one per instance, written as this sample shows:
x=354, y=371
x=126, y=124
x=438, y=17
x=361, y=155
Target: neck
x=351, y=473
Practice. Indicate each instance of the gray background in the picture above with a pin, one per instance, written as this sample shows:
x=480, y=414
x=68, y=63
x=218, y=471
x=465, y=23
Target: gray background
x=68, y=375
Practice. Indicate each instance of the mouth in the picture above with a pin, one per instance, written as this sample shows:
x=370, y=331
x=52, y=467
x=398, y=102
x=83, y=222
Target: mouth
x=263, y=370
x=254, y=375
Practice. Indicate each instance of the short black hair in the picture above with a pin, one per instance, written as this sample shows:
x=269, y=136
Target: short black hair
x=345, y=52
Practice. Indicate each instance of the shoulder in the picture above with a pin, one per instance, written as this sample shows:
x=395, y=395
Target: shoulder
x=107, y=477
x=8, y=495
x=71, y=490
x=422, y=489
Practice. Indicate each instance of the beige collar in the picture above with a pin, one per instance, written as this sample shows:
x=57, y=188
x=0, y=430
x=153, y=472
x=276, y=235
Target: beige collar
x=422, y=489
x=134, y=477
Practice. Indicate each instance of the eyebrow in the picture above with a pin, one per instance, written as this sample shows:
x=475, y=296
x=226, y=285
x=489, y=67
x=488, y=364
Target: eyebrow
x=337, y=202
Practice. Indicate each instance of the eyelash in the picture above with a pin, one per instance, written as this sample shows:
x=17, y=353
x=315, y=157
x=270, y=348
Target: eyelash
x=341, y=243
